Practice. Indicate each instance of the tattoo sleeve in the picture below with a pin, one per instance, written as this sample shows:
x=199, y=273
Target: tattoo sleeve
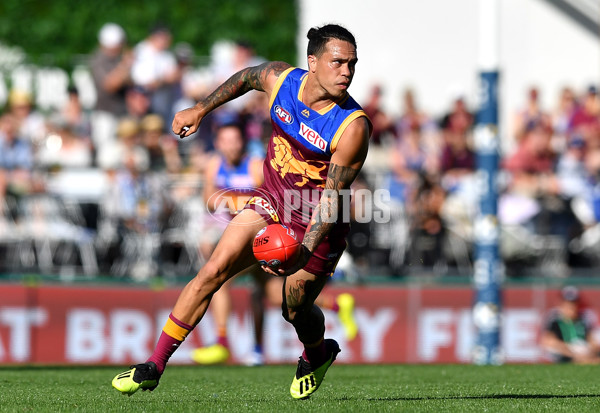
x=242, y=82
x=327, y=210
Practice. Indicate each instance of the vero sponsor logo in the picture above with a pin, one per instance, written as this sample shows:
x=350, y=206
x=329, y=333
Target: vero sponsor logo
x=313, y=137
x=283, y=115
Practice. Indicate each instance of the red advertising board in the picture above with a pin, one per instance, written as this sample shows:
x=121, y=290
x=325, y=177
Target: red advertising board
x=116, y=325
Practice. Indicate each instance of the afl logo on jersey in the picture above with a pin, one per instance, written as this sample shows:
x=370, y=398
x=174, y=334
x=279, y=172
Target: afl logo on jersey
x=283, y=115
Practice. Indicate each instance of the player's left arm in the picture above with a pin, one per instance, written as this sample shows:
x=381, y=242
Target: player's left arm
x=262, y=78
x=345, y=165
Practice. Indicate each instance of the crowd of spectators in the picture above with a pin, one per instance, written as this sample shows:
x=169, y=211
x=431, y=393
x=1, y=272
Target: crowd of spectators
x=111, y=190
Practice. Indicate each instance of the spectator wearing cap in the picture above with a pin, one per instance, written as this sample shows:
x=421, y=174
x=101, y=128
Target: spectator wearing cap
x=30, y=123
x=111, y=66
x=567, y=334
x=111, y=72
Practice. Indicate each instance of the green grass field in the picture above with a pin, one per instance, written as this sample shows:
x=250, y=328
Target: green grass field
x=347, y=388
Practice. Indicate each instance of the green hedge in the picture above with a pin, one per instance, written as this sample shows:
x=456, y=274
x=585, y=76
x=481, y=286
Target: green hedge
x=55, y=32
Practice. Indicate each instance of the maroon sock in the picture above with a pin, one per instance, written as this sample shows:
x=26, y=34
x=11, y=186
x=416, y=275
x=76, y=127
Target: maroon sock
x=222, y=340
x=173, y=334
x=316, y=356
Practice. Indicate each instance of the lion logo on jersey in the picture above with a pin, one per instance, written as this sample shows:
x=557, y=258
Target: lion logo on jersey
x=284, y=162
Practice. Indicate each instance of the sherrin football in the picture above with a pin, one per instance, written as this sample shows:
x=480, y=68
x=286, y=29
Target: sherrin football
x=276, y=246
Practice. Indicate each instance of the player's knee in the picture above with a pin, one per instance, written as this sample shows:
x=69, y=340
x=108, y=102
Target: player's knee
x=288, y=315
x=291, y=312
x=294, y=314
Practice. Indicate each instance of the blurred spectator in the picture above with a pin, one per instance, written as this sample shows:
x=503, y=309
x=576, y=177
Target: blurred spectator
x=111, y=66
x=411, y=116
x=457, y=158
x=75, y=116
x=570, y=169
x=15, y=152
x=229, y=174
x=534, y=187
x=459, y=118
x=532, y=164
x=586, y=118
x=141, y=207
x=410, y=158
x=111, y=72
x=382, y=123
x=189, y=83
x=63, y=148
x=229, y=59
x=531, y=113
x=137, y=103
x=427, y=227
x=140, y=203
x=567, y=334
x=16, y=158
x=127, y=146
x=161, y=147
x=564, y=111
x=155, y=70
x=534, y=205
x=30, y=123
x=586, y=207
x=257, y=124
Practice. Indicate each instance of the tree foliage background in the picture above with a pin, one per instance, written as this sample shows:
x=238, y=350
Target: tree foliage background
x=56, y=32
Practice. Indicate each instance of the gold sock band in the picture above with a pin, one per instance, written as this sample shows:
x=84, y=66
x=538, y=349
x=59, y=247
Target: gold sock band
x=175, y=331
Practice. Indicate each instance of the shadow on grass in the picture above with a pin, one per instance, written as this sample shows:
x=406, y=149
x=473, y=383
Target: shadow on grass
x=484, y=397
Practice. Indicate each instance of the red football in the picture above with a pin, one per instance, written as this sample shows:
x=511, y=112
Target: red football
x=276, y=246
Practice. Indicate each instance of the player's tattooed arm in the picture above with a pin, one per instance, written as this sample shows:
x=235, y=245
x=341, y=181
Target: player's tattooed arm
x=257, y=78
x=345, y=165
x=327, y=211
x=262, y=77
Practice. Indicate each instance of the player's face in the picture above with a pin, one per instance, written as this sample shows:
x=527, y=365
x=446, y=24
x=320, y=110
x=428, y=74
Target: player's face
x=335, y=67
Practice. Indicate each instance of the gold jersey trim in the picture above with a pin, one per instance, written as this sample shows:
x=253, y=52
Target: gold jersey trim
x=338, y=134
x=278, y=84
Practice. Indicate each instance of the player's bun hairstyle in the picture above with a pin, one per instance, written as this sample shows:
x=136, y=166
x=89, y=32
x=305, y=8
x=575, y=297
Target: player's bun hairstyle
x=319, y=36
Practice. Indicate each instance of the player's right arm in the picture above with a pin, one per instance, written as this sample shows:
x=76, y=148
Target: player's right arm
x=262, y=78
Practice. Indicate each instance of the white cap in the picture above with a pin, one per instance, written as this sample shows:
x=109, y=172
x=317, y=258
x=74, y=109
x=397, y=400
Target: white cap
x=111, y=35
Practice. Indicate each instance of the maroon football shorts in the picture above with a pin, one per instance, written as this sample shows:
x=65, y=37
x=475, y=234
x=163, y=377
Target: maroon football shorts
x=324, y=259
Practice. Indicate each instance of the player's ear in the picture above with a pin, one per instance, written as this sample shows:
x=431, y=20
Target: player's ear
x=312, y=63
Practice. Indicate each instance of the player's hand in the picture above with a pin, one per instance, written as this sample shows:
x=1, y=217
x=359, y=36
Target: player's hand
x=186, y=122
x=300, y=263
